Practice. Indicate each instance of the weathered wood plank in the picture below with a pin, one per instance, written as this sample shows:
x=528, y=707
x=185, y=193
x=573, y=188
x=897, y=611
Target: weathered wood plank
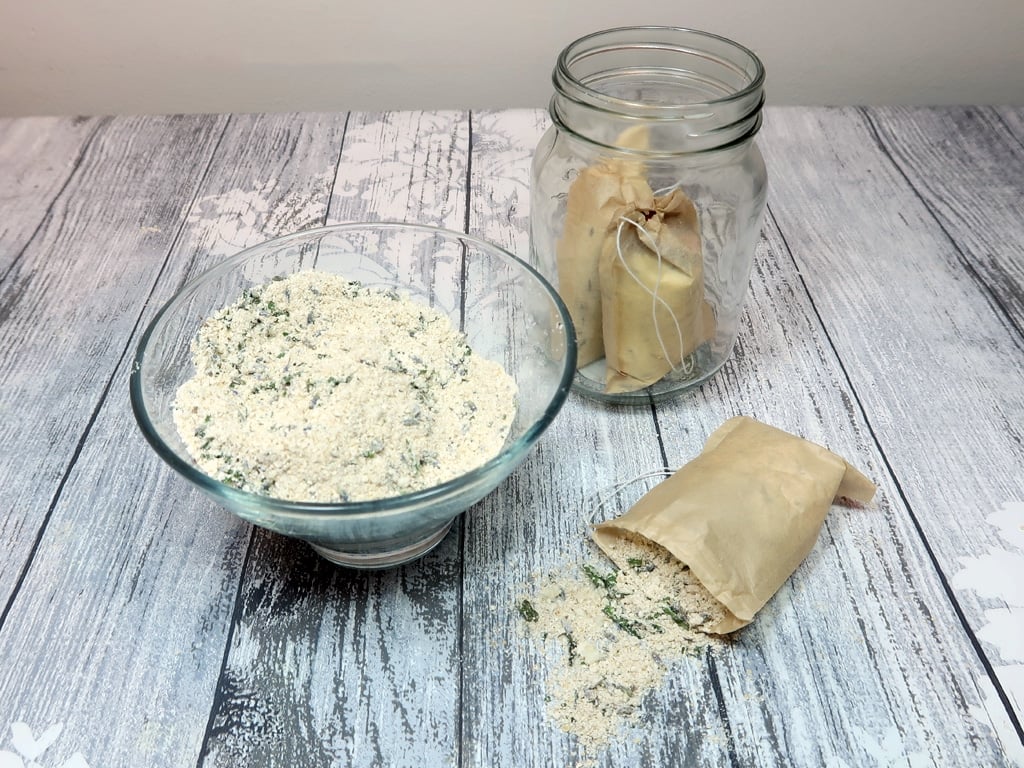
x=38, y=156
x=968, y=169
x=159, y=630
x=409, y=166
x=1013, y=119
x=922, y=346
x=70, y=302
x=967, y=166
x=119, y=628
x=334, y=667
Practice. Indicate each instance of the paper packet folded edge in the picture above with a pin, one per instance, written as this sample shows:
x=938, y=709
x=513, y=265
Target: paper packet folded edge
x=852, y=484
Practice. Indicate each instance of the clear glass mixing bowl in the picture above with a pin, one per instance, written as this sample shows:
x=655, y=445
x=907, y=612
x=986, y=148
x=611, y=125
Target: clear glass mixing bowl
x=508, y=312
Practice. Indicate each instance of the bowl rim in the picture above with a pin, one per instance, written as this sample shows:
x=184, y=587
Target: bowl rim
x=376, y=507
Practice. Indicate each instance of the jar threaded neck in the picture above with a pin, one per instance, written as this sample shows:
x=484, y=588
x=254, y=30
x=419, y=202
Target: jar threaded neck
x=694, y=90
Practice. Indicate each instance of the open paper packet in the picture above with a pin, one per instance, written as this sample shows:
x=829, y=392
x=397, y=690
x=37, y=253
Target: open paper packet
x=743, y=514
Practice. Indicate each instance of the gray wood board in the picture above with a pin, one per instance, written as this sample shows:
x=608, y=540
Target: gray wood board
x=119, y=629
x=39, y=156
x=72, y=299
x=158, y=629
x=880, y=271
x=844, y=620
x=1013, y=119
x=785, y=372
x=536, y=522
x=967, y=166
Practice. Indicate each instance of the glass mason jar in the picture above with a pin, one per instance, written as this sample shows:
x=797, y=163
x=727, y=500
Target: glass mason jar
x=646, y=200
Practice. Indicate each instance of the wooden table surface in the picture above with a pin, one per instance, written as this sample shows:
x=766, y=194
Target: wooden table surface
x=141, y=625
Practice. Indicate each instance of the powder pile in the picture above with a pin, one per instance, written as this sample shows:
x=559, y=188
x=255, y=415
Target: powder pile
x=609, y=637
x=315, y=388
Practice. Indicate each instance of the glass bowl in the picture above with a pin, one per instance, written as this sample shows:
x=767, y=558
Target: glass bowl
x=509, y=313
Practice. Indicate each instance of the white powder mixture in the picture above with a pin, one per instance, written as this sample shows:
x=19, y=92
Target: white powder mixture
x=315, y=388
x=610, y=637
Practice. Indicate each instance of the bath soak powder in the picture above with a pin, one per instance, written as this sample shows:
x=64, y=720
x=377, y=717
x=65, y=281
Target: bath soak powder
x=316, y=388
x=609, y=637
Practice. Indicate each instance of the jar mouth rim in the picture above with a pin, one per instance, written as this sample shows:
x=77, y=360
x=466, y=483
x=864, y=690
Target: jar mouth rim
x=755, y=120
x=572, y=87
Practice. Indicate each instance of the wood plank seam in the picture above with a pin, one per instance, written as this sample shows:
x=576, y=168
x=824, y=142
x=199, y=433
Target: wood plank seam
x=186, y=274
x=723, y=710
x=943, y=580
x=713, y=674
x=90, y=422
x=219, y=694
x=86, y=146
x=1008, y=128
x=993, y=299
x=460, y=597
x=337, y=165
x=657, y=433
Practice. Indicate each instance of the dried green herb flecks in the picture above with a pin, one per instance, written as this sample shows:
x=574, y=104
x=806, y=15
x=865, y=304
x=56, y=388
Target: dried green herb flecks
x=673, y=612
x=570, y=648
x=527, y=611
x=627, y=625
x=266, y=355
x=605, y=581
x=631, y=624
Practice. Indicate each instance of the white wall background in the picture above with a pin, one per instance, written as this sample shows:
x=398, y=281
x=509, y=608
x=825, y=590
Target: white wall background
x=118, y=56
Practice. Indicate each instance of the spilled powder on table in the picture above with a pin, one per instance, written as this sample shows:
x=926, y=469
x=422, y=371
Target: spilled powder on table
x=610, y=637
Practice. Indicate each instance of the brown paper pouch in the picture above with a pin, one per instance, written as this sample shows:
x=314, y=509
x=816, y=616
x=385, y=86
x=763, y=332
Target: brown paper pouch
x=593, y=198
x=744, y=513
x=653, y=311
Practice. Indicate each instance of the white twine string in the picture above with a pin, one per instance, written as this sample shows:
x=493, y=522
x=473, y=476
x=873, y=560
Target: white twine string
x=606, y=496
x=686, y=365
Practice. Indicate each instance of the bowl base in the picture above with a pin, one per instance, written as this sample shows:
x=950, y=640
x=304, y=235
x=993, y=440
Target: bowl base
x=377, y=560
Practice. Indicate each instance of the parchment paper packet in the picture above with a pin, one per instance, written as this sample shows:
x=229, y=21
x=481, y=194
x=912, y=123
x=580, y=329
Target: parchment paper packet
x=653, y=311
x=744, y=513
x=630, y=270
x=597, y=192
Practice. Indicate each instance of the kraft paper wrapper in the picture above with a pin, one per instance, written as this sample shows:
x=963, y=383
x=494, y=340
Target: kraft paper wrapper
x=652, y=292
x=744, y=513
x=607, y=277
x=594, y=197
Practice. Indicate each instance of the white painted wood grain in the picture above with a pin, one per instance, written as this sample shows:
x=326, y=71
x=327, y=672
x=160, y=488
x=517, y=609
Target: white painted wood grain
x=403, y=166
x=1013, y=119
x=538, y=522
x=38, y=156
x=968, y=168
x=335, y=667
x=936, y=370
x=864, y=333
x=71, y=301
x=772, y=698
x=119, y=629
x=830, y=650
x=972, y=183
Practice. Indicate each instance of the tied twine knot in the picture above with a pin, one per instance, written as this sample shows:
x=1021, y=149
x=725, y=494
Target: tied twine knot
x=686, y=364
